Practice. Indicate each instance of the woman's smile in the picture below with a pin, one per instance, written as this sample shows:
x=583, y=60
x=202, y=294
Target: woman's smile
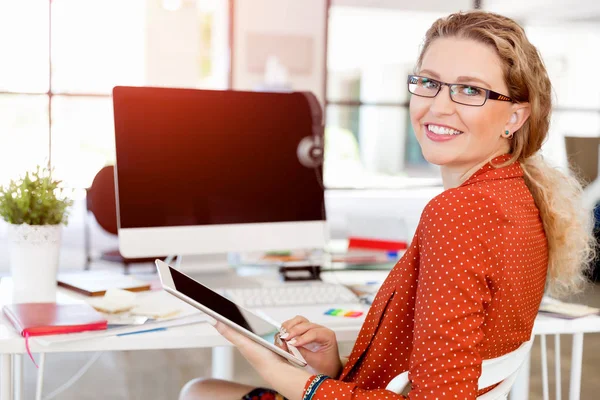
x=441, y=133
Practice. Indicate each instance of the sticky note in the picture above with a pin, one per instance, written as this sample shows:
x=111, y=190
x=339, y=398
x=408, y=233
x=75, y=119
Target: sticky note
x=337, y=312
x=353, y=314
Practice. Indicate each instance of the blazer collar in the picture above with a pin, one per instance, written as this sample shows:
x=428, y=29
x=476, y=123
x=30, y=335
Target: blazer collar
x=489, y=172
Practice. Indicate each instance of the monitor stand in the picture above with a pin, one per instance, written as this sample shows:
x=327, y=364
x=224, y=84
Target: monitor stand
x=214, y=270
x=202, y=264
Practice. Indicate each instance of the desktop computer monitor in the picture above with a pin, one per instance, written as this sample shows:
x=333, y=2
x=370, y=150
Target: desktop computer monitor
x=209, y=172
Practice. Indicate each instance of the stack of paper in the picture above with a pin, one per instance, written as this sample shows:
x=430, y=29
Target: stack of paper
x=123, y=330
x=560, y=309
x=129, y=313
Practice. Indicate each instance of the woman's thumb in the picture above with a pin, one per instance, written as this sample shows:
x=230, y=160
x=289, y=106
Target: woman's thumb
x=312, y=347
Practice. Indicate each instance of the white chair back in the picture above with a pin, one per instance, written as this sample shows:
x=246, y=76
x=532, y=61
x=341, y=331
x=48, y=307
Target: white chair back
x=502, y=369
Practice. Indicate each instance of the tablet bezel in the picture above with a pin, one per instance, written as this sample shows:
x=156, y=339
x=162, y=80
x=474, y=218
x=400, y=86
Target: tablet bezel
x=168, y=285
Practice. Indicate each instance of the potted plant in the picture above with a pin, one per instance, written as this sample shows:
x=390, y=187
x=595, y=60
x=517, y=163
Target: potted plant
x=35, y=207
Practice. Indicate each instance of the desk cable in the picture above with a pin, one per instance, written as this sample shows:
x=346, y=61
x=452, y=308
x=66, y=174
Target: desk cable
x=86, y=366
x=67, y=384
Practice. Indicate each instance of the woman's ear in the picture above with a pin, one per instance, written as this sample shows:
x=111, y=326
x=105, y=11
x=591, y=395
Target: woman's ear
x=520, y=114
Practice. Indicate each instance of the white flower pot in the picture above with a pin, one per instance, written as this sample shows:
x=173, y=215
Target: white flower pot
x=33, y=257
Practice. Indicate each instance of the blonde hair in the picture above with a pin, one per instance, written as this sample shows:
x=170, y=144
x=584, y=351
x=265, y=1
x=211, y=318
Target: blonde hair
x=568, y=226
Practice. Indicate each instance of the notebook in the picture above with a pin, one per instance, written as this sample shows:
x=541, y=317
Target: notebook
x=36, y=319
x=96, y=283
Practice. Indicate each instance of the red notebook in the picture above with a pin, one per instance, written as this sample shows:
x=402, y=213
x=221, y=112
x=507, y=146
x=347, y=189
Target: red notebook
x=37, y=319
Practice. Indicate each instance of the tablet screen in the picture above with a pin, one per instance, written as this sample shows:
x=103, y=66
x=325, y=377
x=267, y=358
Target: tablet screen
x=222, y=305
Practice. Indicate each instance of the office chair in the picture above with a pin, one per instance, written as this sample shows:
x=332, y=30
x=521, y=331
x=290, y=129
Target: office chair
x=503, y=370
x=101, y=202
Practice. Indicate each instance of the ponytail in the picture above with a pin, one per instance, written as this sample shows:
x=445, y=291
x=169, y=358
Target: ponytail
x=568, y=225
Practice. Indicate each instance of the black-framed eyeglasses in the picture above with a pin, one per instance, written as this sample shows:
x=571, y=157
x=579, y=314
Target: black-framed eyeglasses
x=460, y=93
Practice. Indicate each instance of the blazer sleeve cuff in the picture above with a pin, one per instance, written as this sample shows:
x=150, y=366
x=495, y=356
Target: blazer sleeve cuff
x=312, y=386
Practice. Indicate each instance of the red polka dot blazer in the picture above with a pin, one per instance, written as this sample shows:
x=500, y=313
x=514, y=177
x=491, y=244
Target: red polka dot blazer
x=468, y=288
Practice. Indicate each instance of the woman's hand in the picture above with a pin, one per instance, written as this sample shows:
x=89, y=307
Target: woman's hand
x=257, y=355
x=317, y=344
x=279, y=373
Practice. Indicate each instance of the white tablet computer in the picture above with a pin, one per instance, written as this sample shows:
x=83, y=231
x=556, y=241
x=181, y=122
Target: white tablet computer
x=224, y=310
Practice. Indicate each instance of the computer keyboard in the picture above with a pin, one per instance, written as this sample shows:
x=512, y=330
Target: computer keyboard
x=292, y=294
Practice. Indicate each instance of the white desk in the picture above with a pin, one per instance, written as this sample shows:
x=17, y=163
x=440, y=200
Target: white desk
x=203, y=335
x=12, y=347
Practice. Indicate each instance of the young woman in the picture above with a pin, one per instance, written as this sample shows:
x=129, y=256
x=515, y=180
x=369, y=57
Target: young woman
x=506, y=228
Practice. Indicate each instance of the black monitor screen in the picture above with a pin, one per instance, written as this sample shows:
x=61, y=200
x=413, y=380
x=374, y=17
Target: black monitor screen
x=203, y=157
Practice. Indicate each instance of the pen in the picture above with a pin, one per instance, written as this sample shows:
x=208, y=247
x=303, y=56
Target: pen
x=144, y=331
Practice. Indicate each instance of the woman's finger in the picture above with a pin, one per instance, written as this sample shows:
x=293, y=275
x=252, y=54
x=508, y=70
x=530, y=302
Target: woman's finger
x=228, y=333
x=221, y=328
x=280, y=343
x=314, y=339
x=299, y=329
x=308, y=350
x=289, y=324
x=233, y=336
x=311, y=336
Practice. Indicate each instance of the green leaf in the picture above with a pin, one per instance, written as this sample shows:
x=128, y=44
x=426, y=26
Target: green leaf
x=35, y=199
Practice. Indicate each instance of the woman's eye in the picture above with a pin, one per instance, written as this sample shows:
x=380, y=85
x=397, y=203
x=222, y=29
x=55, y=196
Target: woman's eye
x=429, y=84
x=471, y=91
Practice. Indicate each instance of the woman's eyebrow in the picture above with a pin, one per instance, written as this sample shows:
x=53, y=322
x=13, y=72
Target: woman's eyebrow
x=429, y=72
x=462, y=79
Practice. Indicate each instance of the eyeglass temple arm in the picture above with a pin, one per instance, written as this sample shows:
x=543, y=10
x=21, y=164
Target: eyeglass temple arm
x=497, y=96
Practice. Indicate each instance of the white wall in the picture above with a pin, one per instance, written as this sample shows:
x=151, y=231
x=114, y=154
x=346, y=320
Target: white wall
x=173, y=46
x=544, y=10
x=278, y=24
x=409, y=5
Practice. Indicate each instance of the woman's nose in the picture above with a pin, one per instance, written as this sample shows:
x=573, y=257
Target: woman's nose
x=442, y=104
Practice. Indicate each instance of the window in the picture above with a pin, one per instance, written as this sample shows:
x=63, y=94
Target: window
x=57, y=76
x=370, y=142
x=23, y=132
x=24, y=67
x=570, y=53
x=369, y=138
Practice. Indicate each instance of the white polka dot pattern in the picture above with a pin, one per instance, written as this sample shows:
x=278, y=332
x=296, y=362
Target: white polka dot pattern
x=468, y=288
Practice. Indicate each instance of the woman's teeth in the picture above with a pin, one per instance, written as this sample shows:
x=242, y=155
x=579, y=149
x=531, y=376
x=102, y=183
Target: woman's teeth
x=441, y=130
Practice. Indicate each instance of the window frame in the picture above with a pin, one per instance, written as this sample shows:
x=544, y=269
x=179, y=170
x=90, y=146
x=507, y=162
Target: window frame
x=52, y=93
x=477, y=4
